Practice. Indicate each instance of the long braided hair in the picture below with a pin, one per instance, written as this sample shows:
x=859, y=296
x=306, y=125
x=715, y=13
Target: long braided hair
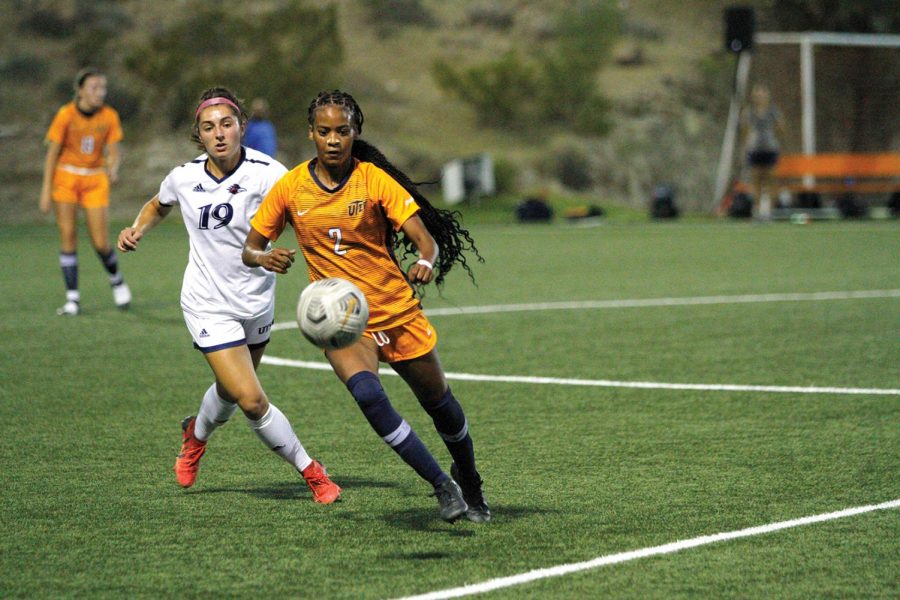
x=452, y=238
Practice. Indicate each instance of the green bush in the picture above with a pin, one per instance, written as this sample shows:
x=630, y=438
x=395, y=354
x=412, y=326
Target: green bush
x=283, y=55
x=49, y=20
x=386, y=15
x=490, y=15
x=46, y=23
x=501, y=92
x=571, y=164
x=89, y=48
x=126, y=102
x=62, y=90
x=23, y=69
x=553, y=85
x=593, y=115
x=711, y=87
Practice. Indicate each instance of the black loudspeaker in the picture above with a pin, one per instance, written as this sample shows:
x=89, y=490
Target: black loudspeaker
x=740, y=23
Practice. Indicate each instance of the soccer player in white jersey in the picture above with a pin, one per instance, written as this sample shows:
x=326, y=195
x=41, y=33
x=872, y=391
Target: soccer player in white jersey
x=229, y=308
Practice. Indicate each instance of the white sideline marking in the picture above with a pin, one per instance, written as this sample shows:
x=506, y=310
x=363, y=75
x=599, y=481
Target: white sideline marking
x=710, y=387
x=632, y=303
x=647, y=302
x=611, y=559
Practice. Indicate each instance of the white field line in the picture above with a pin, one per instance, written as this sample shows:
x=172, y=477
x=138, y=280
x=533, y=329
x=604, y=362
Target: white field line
x=709, y=387
x=647, y=302
x=611, y=559
x=633, y=303
x=651, y=302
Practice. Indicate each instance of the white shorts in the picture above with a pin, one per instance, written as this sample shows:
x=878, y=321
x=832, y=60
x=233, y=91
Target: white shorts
x=212, y=332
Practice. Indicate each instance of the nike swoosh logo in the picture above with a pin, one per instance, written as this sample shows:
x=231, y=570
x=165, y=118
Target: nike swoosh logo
x=408, y=202
x=300, y=213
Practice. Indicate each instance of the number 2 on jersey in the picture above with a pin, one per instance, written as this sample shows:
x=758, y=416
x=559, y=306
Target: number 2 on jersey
x=335, y=234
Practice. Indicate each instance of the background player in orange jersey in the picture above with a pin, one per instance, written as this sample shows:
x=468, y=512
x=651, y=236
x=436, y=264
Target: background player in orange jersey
x=228, y=308
x=351, y=210
x=76, y=173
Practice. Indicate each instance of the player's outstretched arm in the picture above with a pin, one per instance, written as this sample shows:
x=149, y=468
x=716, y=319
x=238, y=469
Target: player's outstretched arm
x=151, y=213
x=255, y=254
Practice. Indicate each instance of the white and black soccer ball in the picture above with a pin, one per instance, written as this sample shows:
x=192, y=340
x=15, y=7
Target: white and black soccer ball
x=332, y=313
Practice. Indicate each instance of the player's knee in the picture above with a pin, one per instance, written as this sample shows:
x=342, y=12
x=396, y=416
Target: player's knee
x=253, y=403
x=366, y=389
x=436, y=399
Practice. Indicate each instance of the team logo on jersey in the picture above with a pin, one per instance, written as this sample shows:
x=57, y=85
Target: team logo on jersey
x=235, y=189
x=356, y=207
x=198, y=188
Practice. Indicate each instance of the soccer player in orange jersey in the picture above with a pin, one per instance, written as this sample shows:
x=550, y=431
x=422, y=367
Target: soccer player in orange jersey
x=76, y=173
x=353, y=212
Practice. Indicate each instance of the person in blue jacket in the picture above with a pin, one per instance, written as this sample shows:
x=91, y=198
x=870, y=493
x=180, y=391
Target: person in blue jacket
x=260, y=130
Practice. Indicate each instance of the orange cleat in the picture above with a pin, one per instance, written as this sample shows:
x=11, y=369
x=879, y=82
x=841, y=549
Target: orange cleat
x=188, y=462
x=324, y=490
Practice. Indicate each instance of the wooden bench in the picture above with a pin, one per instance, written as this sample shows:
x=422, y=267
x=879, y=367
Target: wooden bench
x=839, y=173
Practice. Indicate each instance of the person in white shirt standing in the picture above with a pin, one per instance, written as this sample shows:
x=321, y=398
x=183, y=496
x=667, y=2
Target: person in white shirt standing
x=228, y=307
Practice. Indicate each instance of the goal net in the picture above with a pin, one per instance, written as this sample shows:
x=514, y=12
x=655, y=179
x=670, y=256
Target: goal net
x=855, y=90
x=837, y=93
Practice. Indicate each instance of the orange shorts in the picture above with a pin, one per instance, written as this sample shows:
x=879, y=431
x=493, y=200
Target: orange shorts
x=410, y=340
x=89, y=191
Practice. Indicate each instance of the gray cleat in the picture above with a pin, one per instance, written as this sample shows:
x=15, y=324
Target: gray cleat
x=479, y=511
x=450, y=498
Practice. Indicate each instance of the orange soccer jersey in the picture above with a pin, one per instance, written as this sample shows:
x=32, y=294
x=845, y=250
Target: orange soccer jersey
x=83, y=137
x=343, y=232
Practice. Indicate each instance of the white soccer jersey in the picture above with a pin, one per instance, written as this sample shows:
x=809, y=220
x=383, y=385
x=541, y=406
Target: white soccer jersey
x=217, y=215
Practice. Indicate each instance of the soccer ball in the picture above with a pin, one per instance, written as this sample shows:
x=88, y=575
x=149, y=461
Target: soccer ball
x=332, y=313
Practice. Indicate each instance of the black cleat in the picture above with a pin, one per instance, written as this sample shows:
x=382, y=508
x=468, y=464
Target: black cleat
x=479, y=511
x=450, y=498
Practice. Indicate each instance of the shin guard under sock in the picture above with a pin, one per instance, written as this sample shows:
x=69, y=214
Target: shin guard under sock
x=450, y=422
x=110, y=262
x=393, y=429
x=276, y=433
x=68, y=262
x=214, y=412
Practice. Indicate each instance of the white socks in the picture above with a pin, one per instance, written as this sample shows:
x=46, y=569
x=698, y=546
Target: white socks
x=213, y=413
x=273, y=428
x=276, y=433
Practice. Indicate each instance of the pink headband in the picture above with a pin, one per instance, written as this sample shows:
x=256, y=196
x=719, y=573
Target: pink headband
x=216, y=100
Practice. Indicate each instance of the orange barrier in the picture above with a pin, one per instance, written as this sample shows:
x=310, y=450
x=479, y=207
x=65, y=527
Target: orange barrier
x=834, y=172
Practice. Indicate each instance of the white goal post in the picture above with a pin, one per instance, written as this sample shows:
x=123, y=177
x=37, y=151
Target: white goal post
x=806, y=42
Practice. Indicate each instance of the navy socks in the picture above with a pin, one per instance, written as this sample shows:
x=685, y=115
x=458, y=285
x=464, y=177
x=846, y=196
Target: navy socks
x=393, y=429
x=450, y=422
x=110, y=262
